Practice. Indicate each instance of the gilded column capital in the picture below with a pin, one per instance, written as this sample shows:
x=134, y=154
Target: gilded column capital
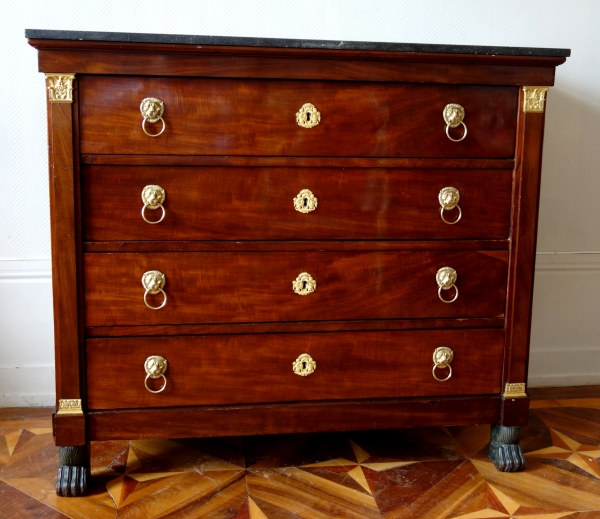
x=534, y=98
x=69, y=407
x=60, y=87
x=515, y=390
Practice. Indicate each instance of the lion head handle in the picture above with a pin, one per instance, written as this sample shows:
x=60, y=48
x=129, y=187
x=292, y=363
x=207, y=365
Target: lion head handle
x=153, y=281
x=152, y=109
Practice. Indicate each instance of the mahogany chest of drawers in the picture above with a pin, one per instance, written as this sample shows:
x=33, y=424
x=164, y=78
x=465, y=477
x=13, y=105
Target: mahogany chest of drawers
x=273, y=236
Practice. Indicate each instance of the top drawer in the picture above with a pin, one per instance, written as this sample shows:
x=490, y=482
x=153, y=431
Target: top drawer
x=258, y=117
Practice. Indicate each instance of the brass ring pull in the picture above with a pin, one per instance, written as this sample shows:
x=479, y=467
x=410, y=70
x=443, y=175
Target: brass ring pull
x=441, y=379
x=457, y=218
x=448, y=300
x=448, y=133
x=155, y=307
x=446, y=279
x=155, y=367
x=164, y=125
x=454, y=115
x=160, y=219
x=442, y=357
x=154, y=282
x=449, y=197
x=161, y=389
x=153, y=198
x=152, y=110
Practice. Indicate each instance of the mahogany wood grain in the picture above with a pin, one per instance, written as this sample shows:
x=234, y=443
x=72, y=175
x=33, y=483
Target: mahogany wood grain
x=188, y=65
x=69, y=430
x=257, y=287
x=257, y=203
x=522, y=255
x=222, y=370
x=293, y=327
x=313, y=162
x=79, y=239
x=293, y=246
x=514, y=411
x=291, y=418
x=290, y=52
x=64, y=240
x=258, y=117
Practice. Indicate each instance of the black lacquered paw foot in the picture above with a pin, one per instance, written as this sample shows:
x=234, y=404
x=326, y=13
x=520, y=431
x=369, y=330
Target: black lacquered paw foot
x=72, y=477
x=71, y=481
x=507, y=458
x=505, y=452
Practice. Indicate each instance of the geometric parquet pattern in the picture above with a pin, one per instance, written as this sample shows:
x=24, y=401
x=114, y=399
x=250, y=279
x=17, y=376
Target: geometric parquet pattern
x=426, y=473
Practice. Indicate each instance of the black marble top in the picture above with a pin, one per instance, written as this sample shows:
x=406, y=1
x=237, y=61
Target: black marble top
x=288, y=43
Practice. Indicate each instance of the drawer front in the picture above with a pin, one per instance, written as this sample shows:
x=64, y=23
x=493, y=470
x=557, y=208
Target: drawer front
x=259, y=203
x=259, y=287
x=251, y=369
x=258, y=117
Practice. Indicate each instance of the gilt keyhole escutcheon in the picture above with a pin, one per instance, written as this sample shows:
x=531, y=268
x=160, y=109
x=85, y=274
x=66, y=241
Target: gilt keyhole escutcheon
x=308, y=116
x=304, y=365
x=305, y=201
x=304, y=284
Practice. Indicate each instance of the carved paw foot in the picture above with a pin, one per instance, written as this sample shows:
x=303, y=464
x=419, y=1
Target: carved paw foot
x=73, y=471
x=507, y=458
x=505, y=452
x=71, y=481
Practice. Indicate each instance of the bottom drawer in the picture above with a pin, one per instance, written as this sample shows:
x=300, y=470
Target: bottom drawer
x=235, y=369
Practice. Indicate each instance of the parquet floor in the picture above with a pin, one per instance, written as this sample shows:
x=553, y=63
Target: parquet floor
x=415, y=473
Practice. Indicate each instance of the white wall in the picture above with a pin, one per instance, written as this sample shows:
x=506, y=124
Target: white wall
x=566, y=329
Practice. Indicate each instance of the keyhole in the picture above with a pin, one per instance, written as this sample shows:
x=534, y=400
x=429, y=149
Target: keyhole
x=308, y=117
x=305, y=202
x=304, y=284
x=304, y=365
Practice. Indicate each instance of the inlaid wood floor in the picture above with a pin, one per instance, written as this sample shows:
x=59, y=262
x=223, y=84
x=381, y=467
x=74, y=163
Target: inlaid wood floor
x=414, y=473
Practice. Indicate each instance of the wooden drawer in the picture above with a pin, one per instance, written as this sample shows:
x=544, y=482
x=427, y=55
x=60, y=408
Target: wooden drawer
x=258, y=287
x=250, y=369
x=258, y=117
x=258, y=203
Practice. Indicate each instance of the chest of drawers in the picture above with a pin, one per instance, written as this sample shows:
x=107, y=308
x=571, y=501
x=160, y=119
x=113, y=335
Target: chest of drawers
x=271, y=236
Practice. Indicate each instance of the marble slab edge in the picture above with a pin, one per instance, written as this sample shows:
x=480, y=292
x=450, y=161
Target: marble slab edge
x=181, y=39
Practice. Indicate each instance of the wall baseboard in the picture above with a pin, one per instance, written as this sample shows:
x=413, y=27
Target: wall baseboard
x=27, y=339
x=27, y=386
x=15, y=269
x=565, y=331
x=567, y=366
